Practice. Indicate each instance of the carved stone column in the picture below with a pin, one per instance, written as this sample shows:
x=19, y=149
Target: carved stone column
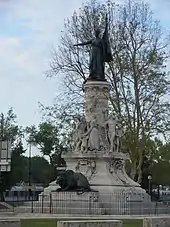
x=96, y=100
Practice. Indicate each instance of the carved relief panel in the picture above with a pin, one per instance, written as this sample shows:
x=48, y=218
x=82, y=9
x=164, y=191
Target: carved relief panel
x=87, y=167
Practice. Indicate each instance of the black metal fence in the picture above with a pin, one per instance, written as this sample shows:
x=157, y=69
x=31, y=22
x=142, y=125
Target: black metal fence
x=88, y=203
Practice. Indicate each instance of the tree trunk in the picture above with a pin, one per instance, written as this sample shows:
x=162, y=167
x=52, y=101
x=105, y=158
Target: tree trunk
x=133, y=171
x=139, y=168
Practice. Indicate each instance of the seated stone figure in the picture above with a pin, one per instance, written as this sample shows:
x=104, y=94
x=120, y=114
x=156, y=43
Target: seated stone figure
x=70, y=181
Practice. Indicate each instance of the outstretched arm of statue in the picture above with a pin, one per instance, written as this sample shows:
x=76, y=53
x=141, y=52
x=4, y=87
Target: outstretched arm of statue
x=83, y=44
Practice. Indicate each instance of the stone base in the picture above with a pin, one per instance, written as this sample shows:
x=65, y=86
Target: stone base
x=105, y=172
x=10, y=223
x=91, y=203
x=76, y=202
x=113, y=190
x=52, y=187
x=156, y=222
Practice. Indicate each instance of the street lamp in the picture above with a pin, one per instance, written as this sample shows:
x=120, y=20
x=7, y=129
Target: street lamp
x=61, y=168
x=29, y=173
x=149, y=179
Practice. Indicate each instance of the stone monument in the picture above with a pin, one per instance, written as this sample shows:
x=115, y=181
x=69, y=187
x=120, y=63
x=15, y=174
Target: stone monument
x=97, y=148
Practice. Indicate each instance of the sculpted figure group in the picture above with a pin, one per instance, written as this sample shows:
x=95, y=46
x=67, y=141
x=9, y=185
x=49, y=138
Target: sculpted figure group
x=96, y=136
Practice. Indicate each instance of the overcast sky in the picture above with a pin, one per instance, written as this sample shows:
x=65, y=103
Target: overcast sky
x=29, y=29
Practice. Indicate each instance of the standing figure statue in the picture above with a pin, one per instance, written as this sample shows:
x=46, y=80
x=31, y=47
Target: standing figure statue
x=118, y=138
x=94, y=137
x=78, y=135
x=75, y=132
x=100, y=53
x=84, y=143
x=110, y=127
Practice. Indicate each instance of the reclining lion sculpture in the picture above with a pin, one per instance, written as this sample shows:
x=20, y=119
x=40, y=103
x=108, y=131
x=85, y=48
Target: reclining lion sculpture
x=71, y=181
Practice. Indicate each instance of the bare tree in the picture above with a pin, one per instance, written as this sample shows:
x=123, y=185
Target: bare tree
x=138, y=73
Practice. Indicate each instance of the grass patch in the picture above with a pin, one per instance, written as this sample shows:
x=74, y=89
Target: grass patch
x=132, y=223
x=53, y=223
x=38, y=223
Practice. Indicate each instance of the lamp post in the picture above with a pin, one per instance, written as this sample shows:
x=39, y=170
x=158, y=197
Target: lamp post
x=149, y=188
x=29, y=173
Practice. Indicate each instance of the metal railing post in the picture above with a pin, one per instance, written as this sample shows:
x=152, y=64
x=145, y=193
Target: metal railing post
x=42, y=207
x=50, y=203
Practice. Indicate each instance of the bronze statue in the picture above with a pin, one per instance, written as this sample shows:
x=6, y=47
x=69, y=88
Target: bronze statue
x=100, y=53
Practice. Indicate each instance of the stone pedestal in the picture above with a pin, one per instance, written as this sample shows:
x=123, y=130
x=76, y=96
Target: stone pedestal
x=97, y=153
x=104, y=167
x=103, y=171
x=52, y=187
x=10, y=223
x=156, y=222
x=106, y=174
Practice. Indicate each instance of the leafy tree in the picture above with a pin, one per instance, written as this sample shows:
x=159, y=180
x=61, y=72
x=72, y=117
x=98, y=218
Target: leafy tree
x=155, y=163
x=164, y=152
x=150, y=158
x=138, y=75
x=146, y=171
x=160, y=173
x=10, y=131
x=42, y=173
x=19, y=167
x=46, y=138
x=161, y=164
x=64, y=116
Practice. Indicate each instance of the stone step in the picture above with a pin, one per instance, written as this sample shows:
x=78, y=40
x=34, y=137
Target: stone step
x=9, y=223
x=7, y=214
